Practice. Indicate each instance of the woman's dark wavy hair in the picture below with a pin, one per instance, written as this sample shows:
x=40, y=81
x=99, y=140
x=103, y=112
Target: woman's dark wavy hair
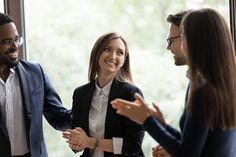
x=211, y=58
x=124, y=73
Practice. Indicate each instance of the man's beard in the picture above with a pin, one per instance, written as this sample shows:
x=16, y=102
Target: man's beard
x=8, y=63
x=13, y=64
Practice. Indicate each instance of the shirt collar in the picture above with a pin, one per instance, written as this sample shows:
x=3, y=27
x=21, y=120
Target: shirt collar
x=105, y=90
x=188, y=73
x=12, y=71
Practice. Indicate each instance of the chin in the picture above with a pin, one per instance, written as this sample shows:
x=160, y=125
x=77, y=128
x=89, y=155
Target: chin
x=13, y=64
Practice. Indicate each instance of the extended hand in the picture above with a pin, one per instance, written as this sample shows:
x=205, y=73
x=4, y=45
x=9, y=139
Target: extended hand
x=137, y=110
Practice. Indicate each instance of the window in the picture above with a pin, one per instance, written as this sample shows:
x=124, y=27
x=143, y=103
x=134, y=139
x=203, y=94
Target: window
x=61, y=35
x=1, y=6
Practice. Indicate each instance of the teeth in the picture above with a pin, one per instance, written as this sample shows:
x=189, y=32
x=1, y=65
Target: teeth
x=110, y=62
x=14, y=55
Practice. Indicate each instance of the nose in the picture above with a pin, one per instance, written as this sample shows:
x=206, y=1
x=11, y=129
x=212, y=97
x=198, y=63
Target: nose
x=168, y=47
x=113, y=54
x=15, y=45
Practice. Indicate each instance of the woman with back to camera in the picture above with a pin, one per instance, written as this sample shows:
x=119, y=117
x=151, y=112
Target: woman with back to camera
x=210, y=117
x=99, y=129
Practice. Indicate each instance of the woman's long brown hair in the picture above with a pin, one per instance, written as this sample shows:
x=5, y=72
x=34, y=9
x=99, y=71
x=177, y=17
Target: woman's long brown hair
x=211, y=58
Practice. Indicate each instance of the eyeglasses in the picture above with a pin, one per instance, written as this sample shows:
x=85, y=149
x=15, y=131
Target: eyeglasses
x=171, y=39
x=9, y=42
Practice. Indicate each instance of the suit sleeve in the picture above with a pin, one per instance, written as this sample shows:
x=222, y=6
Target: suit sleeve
x=176, y=133
x=57, y=115
x=194, y=134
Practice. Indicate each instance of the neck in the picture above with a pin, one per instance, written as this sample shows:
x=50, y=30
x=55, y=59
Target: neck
x=102, y=81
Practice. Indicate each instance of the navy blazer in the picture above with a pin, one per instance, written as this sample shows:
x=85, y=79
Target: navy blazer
x=195, y=138
x=115, y=124
x=38, y=98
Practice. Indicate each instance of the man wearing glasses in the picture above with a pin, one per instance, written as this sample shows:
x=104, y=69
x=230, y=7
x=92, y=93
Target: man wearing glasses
x=25, y=95
x=174, y=44
x=174, y=41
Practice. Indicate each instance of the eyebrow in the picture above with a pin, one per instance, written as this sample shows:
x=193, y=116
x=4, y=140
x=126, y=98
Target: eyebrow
x=10, y=38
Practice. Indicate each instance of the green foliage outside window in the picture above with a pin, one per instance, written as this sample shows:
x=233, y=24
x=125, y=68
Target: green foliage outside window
x=60, y=36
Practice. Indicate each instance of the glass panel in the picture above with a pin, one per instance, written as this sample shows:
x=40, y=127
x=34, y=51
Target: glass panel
x=61, y=35
x=2, y=6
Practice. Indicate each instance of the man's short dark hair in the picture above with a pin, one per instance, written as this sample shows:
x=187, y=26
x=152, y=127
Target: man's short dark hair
x=5, y=19
x=176, y=18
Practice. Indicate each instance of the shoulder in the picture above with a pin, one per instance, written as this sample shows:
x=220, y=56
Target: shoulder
x=198, y=100
x=29, y=66
x=125, y=85
x=198, y=93
x=84, y=88
x=125, y=88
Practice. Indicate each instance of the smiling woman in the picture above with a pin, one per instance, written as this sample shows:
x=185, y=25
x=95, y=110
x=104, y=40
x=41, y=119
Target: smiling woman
x=65, y=32
x=98, y=129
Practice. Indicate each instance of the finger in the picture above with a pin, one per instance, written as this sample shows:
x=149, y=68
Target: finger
x=139, y=98
x=75, y=132
x=156, y=107
x=154, y=149
x=154, y=154
x=72, y=137
x=66, y=135
x=70, y=131
x=80, y=130
x=141, y=101
x=120, y=103
x=121, y=112
x=72, y=142
x=76, y=147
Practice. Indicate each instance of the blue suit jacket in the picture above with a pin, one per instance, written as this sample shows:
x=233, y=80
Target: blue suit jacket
x=39, y=98
x=195, y=138
x=115, y=124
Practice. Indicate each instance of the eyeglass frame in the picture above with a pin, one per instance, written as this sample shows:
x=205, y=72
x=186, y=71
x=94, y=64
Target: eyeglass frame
x=171, y=39
x=19, y=40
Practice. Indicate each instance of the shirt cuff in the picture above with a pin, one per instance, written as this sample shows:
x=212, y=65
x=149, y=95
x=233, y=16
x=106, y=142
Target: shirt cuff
x=117, y=145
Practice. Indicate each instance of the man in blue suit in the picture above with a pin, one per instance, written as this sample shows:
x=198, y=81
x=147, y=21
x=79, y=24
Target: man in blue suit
x=25, y=95
x=174, y=44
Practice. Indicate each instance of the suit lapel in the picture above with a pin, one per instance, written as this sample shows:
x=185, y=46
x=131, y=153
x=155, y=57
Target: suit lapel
x=25, y=92
x=88, y=103
x=114, y=92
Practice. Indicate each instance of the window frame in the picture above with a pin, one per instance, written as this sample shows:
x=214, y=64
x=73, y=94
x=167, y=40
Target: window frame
x=15, y=8
x=232, y=9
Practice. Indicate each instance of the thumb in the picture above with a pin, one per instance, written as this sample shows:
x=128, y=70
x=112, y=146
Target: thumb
x=139, y=98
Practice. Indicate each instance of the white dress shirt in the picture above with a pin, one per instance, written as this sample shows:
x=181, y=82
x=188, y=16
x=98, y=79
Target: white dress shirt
x=97, y=117
x=13, y=113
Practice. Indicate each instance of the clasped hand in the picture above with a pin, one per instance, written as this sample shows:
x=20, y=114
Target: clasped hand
x=76, y=138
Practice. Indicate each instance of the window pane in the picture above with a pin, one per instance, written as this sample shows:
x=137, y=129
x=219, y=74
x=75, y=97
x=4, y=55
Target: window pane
x=2, y=6
x=61, y=35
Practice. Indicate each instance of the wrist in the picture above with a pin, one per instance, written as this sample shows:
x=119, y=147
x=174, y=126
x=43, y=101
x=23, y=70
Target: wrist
x=96, y=144
x=93, y=143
